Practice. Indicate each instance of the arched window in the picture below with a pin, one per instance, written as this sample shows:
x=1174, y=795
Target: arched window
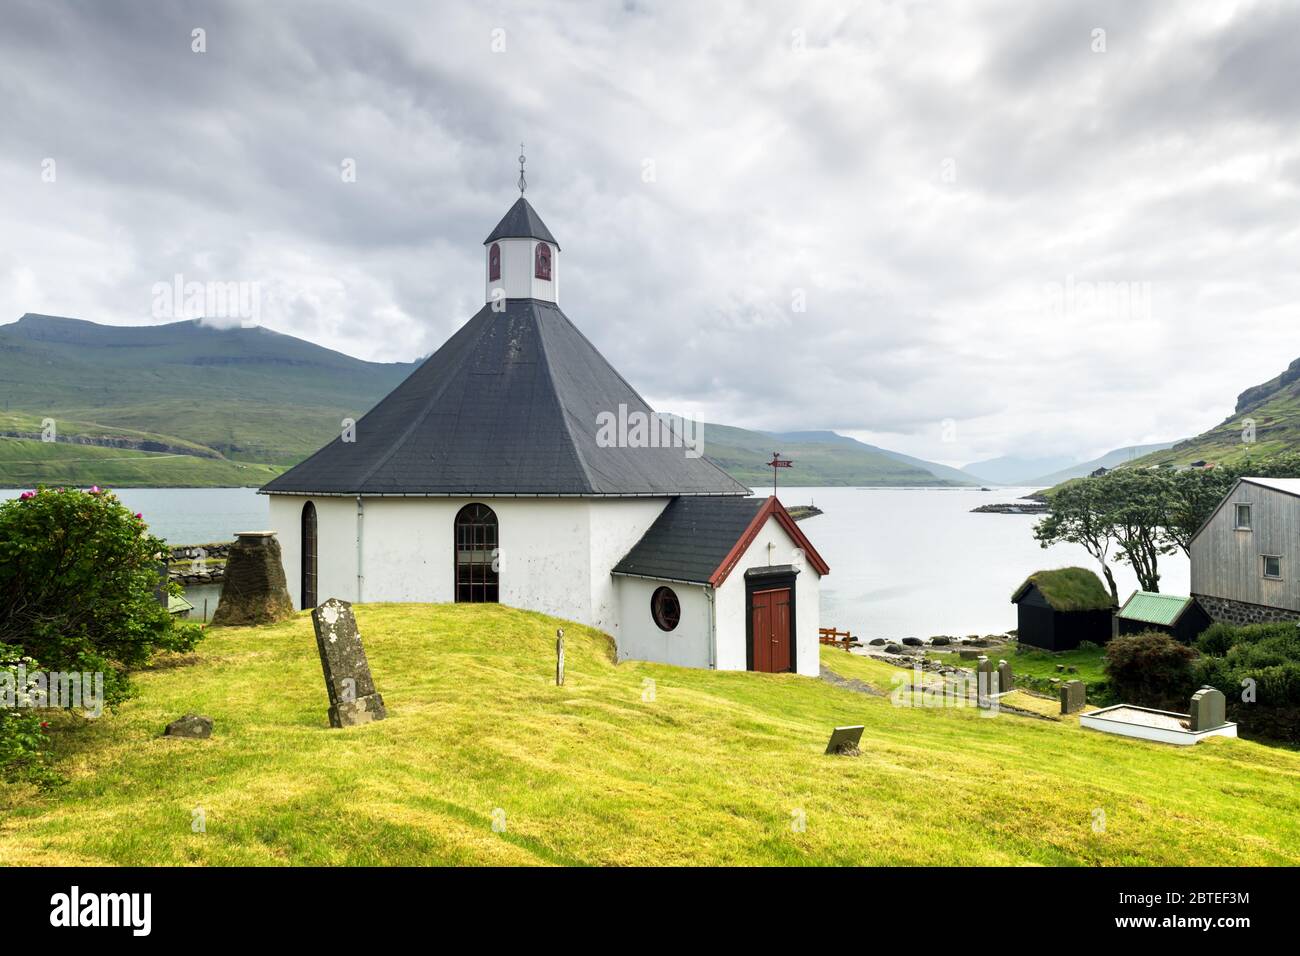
x=494, y=263
x=543, y=260
x=308, y=590
x=476, y=554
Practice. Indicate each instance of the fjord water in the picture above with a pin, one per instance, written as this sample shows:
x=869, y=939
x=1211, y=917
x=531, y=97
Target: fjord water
x=911, y=562
x=904, y=561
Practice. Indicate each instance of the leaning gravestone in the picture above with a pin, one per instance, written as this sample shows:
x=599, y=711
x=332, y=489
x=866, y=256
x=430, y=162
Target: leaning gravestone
x=353, y=698
x=1073, y=696
x=559, y=656
x=1209, y=709
x=1006, y=680
x=254, y=590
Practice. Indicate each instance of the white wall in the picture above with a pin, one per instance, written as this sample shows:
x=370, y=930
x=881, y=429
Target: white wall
x=336, y=544
x=617, y=524
x=546, y=559
x=731, y=609
x=641, y=639
x=518, y=272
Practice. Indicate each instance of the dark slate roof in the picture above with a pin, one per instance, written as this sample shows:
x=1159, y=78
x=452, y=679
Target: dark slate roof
x=521, y=222
x=508, y=405
x=690, y=538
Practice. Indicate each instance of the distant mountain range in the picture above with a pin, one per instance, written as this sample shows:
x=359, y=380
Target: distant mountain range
x=1011, y=470
x=186, y=404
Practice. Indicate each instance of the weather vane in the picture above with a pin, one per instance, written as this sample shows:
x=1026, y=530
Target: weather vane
x=778, y=462
x=523, y=183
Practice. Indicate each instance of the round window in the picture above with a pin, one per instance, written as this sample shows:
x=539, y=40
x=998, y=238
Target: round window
x=665, y=609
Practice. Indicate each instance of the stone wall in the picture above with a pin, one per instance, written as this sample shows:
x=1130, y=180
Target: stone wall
x=1239, y=612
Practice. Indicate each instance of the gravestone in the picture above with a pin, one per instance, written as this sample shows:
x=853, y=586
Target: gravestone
x=352, y=694
x=254, y=590
x=1006, y=680
x=1209, y=709
x=559, y=657
x=844, y=740
x=1073, y=696
x=985, y=682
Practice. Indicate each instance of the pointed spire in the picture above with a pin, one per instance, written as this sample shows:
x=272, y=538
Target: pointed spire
x=523, y=183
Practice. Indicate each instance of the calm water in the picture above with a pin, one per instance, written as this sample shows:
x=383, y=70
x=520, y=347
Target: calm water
x=193, y=515
x=904, y=562
x=915, y=562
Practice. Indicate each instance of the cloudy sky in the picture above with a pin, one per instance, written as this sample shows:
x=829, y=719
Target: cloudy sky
x=954, y=229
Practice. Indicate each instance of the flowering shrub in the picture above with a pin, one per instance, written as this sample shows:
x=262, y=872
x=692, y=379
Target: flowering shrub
x=24, y=746
x=78, y=574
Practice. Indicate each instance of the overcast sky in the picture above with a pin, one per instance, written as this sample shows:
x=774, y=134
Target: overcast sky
x=948, y=189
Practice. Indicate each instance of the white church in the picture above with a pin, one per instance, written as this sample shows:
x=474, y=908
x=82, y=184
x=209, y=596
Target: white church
x=490, y=475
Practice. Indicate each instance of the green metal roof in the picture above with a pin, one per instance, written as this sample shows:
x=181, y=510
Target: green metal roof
x=176, y=605
x=1154, y=608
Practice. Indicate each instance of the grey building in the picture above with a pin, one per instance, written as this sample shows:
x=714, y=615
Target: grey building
x=1246, y=557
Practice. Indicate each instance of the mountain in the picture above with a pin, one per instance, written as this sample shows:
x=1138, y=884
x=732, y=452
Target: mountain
x=820, y=458
x=1111, y=459
x=1014, y=470
x=185, y=404
x=1273, y=409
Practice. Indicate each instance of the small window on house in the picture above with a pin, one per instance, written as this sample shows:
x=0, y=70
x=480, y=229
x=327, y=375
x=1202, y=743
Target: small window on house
x=494, y=263
x=1243, y=517
x=1272, y=566
x=543, y=259
x=665, y=609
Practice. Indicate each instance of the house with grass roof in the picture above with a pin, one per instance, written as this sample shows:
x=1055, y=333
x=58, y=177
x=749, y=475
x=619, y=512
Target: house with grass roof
x=1057, y=610
x=516, y=465
x=1177, y=615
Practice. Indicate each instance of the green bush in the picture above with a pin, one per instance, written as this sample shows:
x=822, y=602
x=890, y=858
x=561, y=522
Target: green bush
x=1150, y=669
x=24, y=746
x=77, y=579
x=1260, y=661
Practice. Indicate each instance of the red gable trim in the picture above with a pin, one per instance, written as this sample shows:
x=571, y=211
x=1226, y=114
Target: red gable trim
x=770, y=509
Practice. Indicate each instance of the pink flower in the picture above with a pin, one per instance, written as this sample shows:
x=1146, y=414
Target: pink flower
x=94, y=489
x=139, y=515
x=26, y=494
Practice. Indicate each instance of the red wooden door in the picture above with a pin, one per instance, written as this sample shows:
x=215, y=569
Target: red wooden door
x=770, y=617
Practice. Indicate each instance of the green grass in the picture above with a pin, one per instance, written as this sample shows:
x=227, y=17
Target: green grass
x=1072, y=589
x=711, y=768
x=25, y=463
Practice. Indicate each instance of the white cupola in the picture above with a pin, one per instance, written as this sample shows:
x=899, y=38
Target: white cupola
x=522, y=257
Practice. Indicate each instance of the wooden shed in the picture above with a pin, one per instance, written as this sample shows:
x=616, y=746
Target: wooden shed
x=1174, y=614
x=1059, y=609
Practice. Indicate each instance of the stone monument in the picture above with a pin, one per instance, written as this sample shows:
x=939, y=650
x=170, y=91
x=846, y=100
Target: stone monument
x=559, y=657
x=1073, y=696
x=1209, y=709
x=254, y=591
x=353, y=698
x=1006, y=680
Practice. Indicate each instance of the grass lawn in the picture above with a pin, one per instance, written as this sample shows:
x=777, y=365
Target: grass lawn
x=631, y=763
x=1039, y=663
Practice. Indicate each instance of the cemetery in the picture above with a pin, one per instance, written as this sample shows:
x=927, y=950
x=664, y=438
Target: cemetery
x=474, y=713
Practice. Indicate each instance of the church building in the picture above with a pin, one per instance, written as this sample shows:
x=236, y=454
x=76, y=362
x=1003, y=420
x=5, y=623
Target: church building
x=515, y=465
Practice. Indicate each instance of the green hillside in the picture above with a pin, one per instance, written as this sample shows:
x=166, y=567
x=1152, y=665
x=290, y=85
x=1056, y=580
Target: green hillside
x=1274, y=407
x=820, y=458
x=130, y=403
x=484, y=761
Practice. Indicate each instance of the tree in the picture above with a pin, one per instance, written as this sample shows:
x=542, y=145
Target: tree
x=78, y=574
x=1134, y=506
x=1193, y=494
x=1079, y=516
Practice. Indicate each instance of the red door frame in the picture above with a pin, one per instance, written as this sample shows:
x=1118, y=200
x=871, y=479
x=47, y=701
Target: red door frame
x=770, y=581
